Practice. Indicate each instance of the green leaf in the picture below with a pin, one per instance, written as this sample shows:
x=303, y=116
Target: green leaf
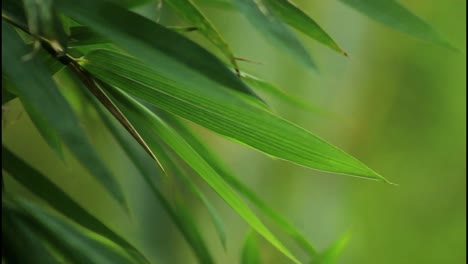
x=37, y=91
x=292, y=15
x=250, y=252
x=181, y=216
x=176, y=56
x=394, y=15
x=239, y=186
x=275, y=91
x=331, y=254
x=17, y=238
x=41, y=186
x=181, y=173
x=190, y=12
x=75, y=243
x=150, y=125
x=262, y=18
x=219, y=111
x=81, y=36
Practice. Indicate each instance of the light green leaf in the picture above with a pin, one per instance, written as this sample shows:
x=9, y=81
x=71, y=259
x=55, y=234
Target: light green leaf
x=190, y=12
x=289, y=13
x=331, y=254
x=394, y=15
x=150, y=125
x=239, y=186
x=176, y=56
x=262, y=18
x=75, y=243
x=37, y=91
x=217, y=110
x=180, y=215
x=41, y=186
x=250, y=251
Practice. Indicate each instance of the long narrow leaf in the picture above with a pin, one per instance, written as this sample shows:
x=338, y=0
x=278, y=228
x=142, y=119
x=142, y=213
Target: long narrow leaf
x=250, y=251
x=224, y=114
x=288, y=12
x=150, y=125
x=164, y=49
x=38, y=184
x=190, y=12
x=262, y=18
x=394, y=15
x=38, y=91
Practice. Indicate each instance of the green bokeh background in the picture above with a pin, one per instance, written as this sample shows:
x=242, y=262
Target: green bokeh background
x=397, y=103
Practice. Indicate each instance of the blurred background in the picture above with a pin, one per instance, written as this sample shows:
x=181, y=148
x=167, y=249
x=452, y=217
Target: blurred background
x=397, y=104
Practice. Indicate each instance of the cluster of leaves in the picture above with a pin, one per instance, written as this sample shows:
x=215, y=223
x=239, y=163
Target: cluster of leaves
x=146, y=80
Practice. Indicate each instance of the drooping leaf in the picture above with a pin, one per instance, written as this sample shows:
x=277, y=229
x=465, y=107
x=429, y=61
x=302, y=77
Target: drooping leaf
x=217, y=110
x=38, y=91
x=262, y=18
x=331, y=254
x=75, y=243
x=180, y=215
x=250, y=251
x=239, y=186
x=291, y=14
x=150, y=125
x=394, y=15
x=45, y=189
x=176, y=56
x=190, y=12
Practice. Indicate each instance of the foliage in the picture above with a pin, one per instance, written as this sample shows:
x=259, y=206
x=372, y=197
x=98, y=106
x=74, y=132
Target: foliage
x=146, y=80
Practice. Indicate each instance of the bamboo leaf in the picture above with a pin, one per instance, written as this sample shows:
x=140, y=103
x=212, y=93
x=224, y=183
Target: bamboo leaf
x=289, y=13
x=45, y=189
x=394, y=15
x=250, y=252
x=181, y=216
x=149, y=125
x=262, y=18
x=219, y=111
x=176, y=56
x=38, y=91
x=76, y=244
x=239, y=186
x=331, y=254
x=190, y=12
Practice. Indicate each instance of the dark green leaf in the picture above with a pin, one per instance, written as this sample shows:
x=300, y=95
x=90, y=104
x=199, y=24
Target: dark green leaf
x=288, y=12
x=190, y=12
x=38, y=184
x=150, y=125
x=262, y=18
x=217, y=110
x=176, y=56
x=392, y=14
x=38, y=91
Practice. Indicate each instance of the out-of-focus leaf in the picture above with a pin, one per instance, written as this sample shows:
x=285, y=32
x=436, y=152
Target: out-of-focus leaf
x=250, y=251
x=17, y=238
x=37, y=91
x=38, y=184
x=75, y=243
x=43, y=21
x=190, y=12
x=331, y=254
x=181, y=215
x=174, y=55
x=239, y=186
x=225, y=114
x=275, y=91
x=14, y=9
x=288, y=12
x=394, y=15
x=181, y=173
x=262, y=18
x=150, y=125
